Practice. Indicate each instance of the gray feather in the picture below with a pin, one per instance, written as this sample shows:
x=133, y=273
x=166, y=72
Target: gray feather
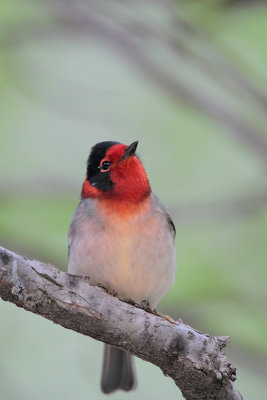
x=118, y=370
x=163, y=210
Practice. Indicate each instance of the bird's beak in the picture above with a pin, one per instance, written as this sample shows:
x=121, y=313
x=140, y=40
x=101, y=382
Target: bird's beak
x=130, y=150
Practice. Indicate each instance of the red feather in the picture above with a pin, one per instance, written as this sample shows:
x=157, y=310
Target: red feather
x=128, y=176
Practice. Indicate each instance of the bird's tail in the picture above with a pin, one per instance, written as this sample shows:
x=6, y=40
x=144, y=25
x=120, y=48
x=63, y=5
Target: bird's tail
x=117, y=371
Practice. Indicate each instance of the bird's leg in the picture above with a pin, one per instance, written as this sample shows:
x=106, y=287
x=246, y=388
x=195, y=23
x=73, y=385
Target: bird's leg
x=146, y=306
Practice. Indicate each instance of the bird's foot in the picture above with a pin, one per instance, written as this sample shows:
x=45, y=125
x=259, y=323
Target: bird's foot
x=113, y=293
x=146, y=306
x=129, y=301
x=102, y=287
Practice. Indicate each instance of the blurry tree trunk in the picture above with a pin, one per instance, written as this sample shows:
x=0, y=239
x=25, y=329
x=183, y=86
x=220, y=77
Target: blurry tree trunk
x=170, y=53
x=176, y=56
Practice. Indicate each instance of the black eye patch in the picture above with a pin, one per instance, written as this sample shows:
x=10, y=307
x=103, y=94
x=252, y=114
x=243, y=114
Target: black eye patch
x=95, y=176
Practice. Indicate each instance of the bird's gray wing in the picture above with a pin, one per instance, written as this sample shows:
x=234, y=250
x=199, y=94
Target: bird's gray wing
x=163, y=210
x=84, y=210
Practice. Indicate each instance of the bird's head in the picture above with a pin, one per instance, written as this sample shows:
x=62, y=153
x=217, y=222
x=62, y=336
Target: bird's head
x=115, y=172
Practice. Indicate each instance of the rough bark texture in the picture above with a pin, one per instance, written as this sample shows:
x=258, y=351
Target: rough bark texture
x=193, y=360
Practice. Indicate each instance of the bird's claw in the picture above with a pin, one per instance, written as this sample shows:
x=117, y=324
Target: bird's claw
x=102, y=287
x=113, y=293
x=129, y=301
x=146, y=306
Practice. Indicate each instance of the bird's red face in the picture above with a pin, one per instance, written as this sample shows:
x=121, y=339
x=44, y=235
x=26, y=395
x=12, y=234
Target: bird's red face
x=115, y=172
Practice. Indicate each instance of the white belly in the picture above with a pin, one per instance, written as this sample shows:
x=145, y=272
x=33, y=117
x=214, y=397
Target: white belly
x=135, y=257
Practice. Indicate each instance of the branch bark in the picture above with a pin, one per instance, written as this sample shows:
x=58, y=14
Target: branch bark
x=192, y=359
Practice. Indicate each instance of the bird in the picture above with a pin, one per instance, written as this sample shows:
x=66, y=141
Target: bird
x=122, y=238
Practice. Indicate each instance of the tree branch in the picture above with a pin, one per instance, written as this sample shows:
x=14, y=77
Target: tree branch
x=193, y=360
x=161, y=55
x=135, y=48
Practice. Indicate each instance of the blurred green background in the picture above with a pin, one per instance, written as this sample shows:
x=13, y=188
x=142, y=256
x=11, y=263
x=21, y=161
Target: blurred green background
x=188, y=80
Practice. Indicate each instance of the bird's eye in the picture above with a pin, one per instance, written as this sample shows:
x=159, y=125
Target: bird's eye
x=105, y=166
